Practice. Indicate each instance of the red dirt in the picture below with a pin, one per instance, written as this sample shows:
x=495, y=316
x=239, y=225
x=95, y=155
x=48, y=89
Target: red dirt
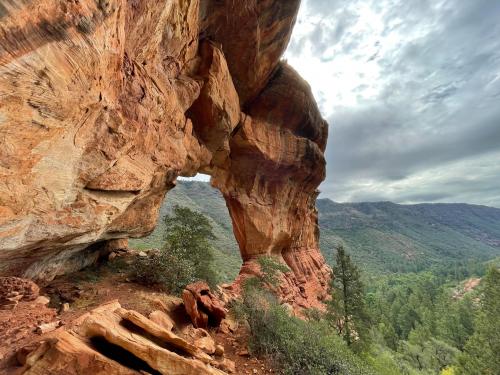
x=95, y=287
x=18, y=325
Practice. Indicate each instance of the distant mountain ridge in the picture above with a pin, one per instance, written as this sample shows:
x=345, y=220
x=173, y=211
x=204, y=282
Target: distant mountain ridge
x=381, y=236
x=385, y=236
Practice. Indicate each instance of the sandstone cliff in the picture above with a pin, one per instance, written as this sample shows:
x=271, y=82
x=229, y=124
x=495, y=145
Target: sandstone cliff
x=104, y=103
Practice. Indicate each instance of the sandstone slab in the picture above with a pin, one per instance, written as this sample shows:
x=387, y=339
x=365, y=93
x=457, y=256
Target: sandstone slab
x=111, y=340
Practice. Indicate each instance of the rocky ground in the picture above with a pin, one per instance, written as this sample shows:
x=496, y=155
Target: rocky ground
x=72, y=296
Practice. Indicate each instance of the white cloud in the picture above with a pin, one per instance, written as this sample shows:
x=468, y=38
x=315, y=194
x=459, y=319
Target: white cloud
x=412, y=90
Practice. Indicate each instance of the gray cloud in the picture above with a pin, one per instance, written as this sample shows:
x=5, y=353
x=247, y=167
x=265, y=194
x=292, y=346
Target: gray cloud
x=435, y=119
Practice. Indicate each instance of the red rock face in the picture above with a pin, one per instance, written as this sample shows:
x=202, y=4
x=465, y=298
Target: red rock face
x=103, y=104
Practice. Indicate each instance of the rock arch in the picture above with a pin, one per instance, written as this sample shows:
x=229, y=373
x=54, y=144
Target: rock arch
x=104, y=104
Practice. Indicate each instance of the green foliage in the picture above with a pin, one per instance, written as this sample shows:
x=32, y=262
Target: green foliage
x=481, y=355
x=419, y=323
x=428, y=355
x=455, y=321
x=306, y=347
x=271, y=269
x=347, y=306
x=448, y=371
x=384, y=237
x=301, y=347
x=187, y=255
x=296, y=346
x=258, y=292
x=384, y=364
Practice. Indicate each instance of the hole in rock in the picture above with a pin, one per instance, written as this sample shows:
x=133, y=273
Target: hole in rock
x=120, y=355
x=148, y=336
x=199, y=177
x=197, y=194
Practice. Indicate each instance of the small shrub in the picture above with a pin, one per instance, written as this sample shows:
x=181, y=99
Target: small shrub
x=165, y=270
x=298, y=346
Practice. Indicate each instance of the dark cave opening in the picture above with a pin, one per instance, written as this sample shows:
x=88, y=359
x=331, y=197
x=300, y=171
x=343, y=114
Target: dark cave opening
x=121, y=355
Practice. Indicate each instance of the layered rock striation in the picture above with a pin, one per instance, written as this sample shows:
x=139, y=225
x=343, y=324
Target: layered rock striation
x=103, y=104
x=112, y=340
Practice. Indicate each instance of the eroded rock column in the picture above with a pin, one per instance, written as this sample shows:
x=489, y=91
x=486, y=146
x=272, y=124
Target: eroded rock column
x=270, y=184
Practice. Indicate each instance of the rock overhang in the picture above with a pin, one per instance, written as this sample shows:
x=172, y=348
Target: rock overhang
x=105, y=104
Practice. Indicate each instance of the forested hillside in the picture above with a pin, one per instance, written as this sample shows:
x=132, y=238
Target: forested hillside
x=387, y=237
x=382, y=237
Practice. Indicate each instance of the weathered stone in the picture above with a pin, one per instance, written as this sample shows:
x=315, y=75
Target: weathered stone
x=95, y=336
x=216, y=112
x=198, y=318
x=104, y=104
x=228, y=326
x=253, y=35
x=207, y=344
x=15, y=289
x=42, y=300
x=243, y=353
x=219, y=350
x=64, y=292
x=92, y=103
x=202, y=306
x=67, y=354
x=48, y=327
x=162, y=319
x=269, y=183
x=119, y=244
x=227, y=365
x=22, y=354
x=64, y=308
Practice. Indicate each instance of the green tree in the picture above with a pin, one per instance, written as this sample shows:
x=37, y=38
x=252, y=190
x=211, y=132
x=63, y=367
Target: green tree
x=481, y=355
x=455, y=319
x=187, y=255
x=346, y=308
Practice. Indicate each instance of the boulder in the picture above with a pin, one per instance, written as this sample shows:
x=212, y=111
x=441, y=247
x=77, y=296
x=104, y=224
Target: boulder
x=203, y=307
x=162, y=319
x=48, y=327
x=207, y=344
x=42, y=300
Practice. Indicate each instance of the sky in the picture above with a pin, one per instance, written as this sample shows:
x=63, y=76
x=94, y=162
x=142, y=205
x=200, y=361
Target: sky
x=411, y=92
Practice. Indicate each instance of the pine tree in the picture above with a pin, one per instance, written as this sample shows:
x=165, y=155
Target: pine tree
x=481, y=355
x=187, y=255
x=346, y=308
